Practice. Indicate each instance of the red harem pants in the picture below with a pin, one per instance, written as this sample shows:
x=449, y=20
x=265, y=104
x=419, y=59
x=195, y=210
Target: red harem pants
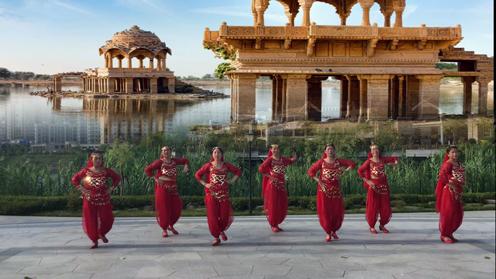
x=219, y=215
x=97, y=219
x=377, y=204
x=275, y=204
x=451, y=213
x=168, y=206
x=330, y=211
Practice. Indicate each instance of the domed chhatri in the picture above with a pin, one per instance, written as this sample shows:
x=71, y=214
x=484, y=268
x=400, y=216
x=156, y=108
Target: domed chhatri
x=123, y=74
x=135, y=38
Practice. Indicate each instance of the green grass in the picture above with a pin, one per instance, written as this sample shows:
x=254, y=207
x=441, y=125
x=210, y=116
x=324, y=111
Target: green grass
x=50, y=174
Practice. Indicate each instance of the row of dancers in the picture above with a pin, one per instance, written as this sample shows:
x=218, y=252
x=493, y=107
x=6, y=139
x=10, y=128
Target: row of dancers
x=217, y=174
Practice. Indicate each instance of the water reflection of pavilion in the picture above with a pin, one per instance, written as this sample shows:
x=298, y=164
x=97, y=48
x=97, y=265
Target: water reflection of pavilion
x=132, y=119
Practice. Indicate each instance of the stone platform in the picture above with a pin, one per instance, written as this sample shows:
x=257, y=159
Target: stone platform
x=50, y=247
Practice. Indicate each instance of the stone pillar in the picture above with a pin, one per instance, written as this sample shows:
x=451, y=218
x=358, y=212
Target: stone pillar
x=343, y=16
x=429, y=87
x=171, y=84
x=387, y=18
x=398, y=7
x=164, y=65
x=291, y=16
x=467, y=95
x=159, y=63
x=352, y=104
x=483, y=88
x=348, y=98
x=362, y=114
x=315, y=98
x=129, y=86
x=243, y=97
x=278, y=100
x=153, y=86
x=412, y=99
x=307, y=6
x=393, y=102
x=110, y=85
x=120, y=63
x=129, y=62
x=296, y=97
x=141, y=63
x=344, y=97
x=57, y=84
x=366, y=5
x=150, y=66
x=355, y=98
x=259, y=7
x=401, y=96
x=377, y=97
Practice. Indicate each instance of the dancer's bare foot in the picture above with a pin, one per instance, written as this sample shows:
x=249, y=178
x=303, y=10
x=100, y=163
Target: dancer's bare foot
x=334, y=235
x=216, y=242
x=328, y=238
x=173, y=230
x=223, y=236
x=95, y=245
x=447, y=240
x=164, y=234
x=383, y=229
x=373, y=230
x=104, y=239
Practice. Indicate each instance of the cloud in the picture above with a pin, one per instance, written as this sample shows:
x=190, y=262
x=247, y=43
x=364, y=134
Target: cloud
x=8, y=18
x=410, y=9
x=143, y=3
x=70, y=7
x=236, y=11
x=239, y=11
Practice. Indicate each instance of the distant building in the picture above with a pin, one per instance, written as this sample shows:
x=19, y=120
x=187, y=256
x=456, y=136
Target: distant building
x=135, y=62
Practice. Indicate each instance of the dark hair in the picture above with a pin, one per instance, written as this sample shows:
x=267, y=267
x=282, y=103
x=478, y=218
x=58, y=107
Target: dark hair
x=95, y=151
x=221, y=151
x=331, y=145
x=451, y=147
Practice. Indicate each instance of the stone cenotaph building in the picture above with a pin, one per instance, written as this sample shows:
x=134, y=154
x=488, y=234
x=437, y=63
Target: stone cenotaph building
x=124, y=70
x=386, y=72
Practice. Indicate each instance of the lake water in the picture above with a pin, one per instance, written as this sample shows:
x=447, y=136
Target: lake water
x=38, y=120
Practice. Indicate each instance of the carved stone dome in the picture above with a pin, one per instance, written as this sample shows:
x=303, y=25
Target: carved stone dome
x=133, y=39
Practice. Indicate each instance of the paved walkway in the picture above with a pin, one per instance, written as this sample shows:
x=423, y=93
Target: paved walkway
x=46, y=247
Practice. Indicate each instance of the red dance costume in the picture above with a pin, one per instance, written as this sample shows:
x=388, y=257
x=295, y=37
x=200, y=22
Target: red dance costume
x=274, y=190
x=330, y=206
x=217, y=202
x=97, y=208
x=168, y=204
x=378, y=202
x=449, y=198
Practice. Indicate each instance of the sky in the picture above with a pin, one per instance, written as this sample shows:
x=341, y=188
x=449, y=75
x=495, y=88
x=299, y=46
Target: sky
x=51, y=36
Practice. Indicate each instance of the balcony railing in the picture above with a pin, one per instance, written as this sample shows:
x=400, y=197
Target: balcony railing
x=333, y=32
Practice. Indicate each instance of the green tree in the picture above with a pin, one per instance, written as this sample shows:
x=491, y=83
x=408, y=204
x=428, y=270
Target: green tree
x=4, y=73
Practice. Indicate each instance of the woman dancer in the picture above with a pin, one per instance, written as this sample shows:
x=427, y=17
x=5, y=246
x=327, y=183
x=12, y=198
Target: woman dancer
x=168, y=204
x=274, y=190
x=449, y=192
x=330, y=206
x=372, y=171
x=97, y=208
x=217, y=202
